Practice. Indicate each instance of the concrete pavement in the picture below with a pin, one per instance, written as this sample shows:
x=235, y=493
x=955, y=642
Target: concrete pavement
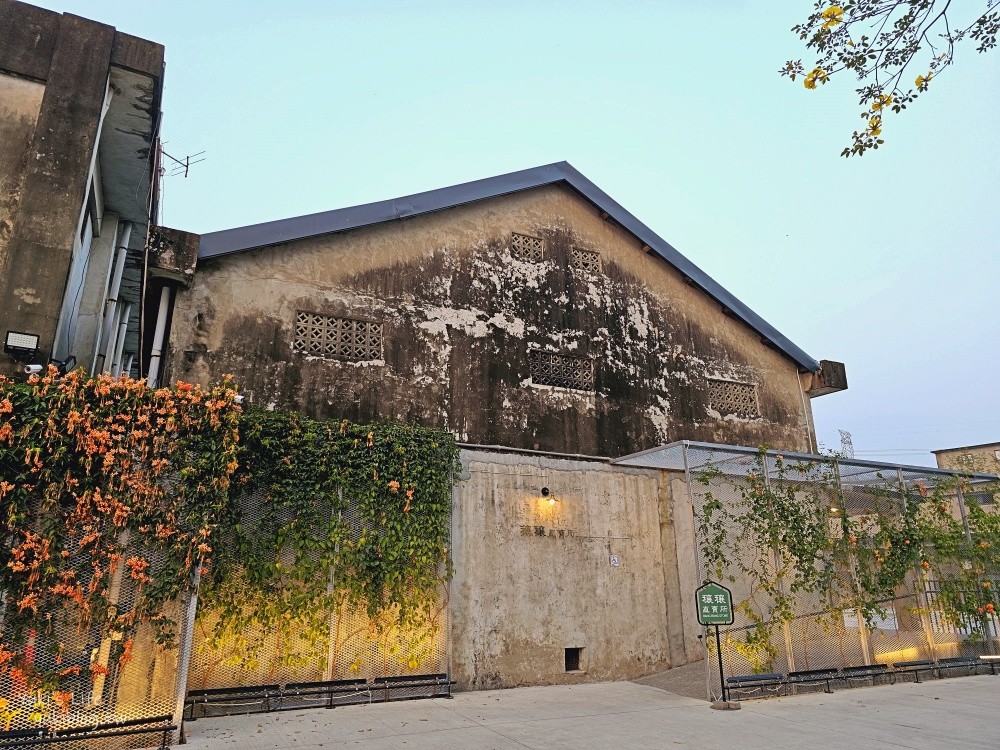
x=957, y=713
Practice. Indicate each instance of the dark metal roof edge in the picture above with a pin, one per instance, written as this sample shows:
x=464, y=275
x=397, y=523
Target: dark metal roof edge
x=796, y=456
x=966, y=447
x=228, y=241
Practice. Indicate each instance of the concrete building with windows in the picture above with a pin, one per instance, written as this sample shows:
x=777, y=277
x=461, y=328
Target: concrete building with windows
x=983, y=458
x=529, y=314
x=79, y=116
x=552, y=332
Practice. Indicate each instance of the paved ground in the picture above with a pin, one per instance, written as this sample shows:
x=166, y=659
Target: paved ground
x=959, y=713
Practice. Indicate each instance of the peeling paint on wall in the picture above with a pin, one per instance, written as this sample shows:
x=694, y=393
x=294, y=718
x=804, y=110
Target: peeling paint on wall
x=459, y=314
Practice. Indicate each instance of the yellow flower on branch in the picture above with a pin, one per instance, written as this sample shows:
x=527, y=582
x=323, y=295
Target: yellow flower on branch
x=833, y=15
x=883, y=101
x=875, y=126
x=922, y=81
x=816, y=75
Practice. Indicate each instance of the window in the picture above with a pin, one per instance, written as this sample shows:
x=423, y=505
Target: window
x=561, y=371
x=585, y=260
x=329, y=337
x=729, y=397
x=978, y=498
x=527, y=248
x=572, y=659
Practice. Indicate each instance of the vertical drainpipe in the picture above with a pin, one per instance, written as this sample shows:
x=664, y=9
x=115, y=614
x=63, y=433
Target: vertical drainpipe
x=111, y=306
x=152, y=378
x=116, y=361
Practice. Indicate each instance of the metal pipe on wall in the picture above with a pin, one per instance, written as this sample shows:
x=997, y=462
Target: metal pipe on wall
x=153, y=376
x=107, y=331
x=116, y=361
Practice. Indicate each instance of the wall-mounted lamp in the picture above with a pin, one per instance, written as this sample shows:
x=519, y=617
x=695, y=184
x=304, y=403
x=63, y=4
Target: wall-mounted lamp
x=64, y=365
x=547, y=493
x=21, y=346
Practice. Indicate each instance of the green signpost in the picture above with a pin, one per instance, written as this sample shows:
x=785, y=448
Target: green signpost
x=715, y=607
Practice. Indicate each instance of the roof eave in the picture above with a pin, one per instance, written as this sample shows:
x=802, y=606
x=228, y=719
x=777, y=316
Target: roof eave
x=241, y=239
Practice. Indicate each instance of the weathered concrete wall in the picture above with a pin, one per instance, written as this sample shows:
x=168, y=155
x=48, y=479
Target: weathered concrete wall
x=20, y=101
x=534, y=578
x=54, y=186
x=459, y=314
x=984, y=459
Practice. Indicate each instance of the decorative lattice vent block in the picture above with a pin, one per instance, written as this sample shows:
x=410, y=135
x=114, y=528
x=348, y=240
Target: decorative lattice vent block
x=561, y=371
x=585, y=260
x=527, y=248
x=729, y=397
x=337, y=338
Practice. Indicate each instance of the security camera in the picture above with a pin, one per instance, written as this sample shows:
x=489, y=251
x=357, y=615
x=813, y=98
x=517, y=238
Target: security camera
x=32, y=369
x=238, y=399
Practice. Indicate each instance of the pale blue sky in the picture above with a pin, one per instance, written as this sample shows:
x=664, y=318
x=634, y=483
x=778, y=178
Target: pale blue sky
x=675, y=109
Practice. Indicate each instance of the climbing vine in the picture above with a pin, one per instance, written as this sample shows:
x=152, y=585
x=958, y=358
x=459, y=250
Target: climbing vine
x=107, y=488
x=117, y=499
x=789, y=531
x=329, y=517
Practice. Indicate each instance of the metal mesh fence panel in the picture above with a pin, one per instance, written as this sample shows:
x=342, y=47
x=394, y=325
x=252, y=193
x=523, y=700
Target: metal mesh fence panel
x=858, y=604
x=271, y=667
x=116, y=684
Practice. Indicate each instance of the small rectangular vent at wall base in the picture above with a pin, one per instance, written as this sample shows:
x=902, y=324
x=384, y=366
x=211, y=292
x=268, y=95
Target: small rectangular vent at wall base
x=585, y=260
x=729, y=397
x=330, y=337
x=527, y=248
x=561, y=371
x=572, y=659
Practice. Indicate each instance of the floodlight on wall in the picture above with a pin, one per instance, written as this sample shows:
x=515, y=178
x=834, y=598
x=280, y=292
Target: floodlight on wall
x=547, y=494
x=21, y=346
x=64, y=365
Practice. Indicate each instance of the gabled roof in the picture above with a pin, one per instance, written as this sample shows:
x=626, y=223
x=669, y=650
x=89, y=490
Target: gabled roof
x=229, y=241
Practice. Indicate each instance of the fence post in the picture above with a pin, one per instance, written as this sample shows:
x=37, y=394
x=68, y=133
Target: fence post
x=919, y=585
x=786, y=628
x=186, y=643
x=866, y=654
x=331, y=645
x=697, y=566
x=985, y=625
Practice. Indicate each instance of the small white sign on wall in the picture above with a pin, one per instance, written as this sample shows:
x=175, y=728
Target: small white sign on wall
x=615, y=561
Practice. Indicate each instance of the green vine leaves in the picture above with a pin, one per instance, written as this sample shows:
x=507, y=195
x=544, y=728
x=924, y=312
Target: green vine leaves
x=327, y=516
x=787, y=532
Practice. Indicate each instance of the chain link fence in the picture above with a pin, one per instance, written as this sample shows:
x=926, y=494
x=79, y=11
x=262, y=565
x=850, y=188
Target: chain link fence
x=109, y=683
x=825, y=561
x=272, y=665
x=822, y=627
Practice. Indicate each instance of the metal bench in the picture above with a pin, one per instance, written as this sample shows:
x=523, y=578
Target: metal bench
x=761, y=683
x=413, y=686
x=812, y=677
x=261, y=696
x=328, y=691
x=970, y=663
x=95, y=732
x=914, y=667
x=871, y=672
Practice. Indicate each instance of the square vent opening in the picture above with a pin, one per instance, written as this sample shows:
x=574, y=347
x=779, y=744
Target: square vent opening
x=572, y=659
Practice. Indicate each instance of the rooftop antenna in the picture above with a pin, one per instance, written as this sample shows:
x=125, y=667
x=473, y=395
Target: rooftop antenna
x=180, y=166
x=846, y=444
